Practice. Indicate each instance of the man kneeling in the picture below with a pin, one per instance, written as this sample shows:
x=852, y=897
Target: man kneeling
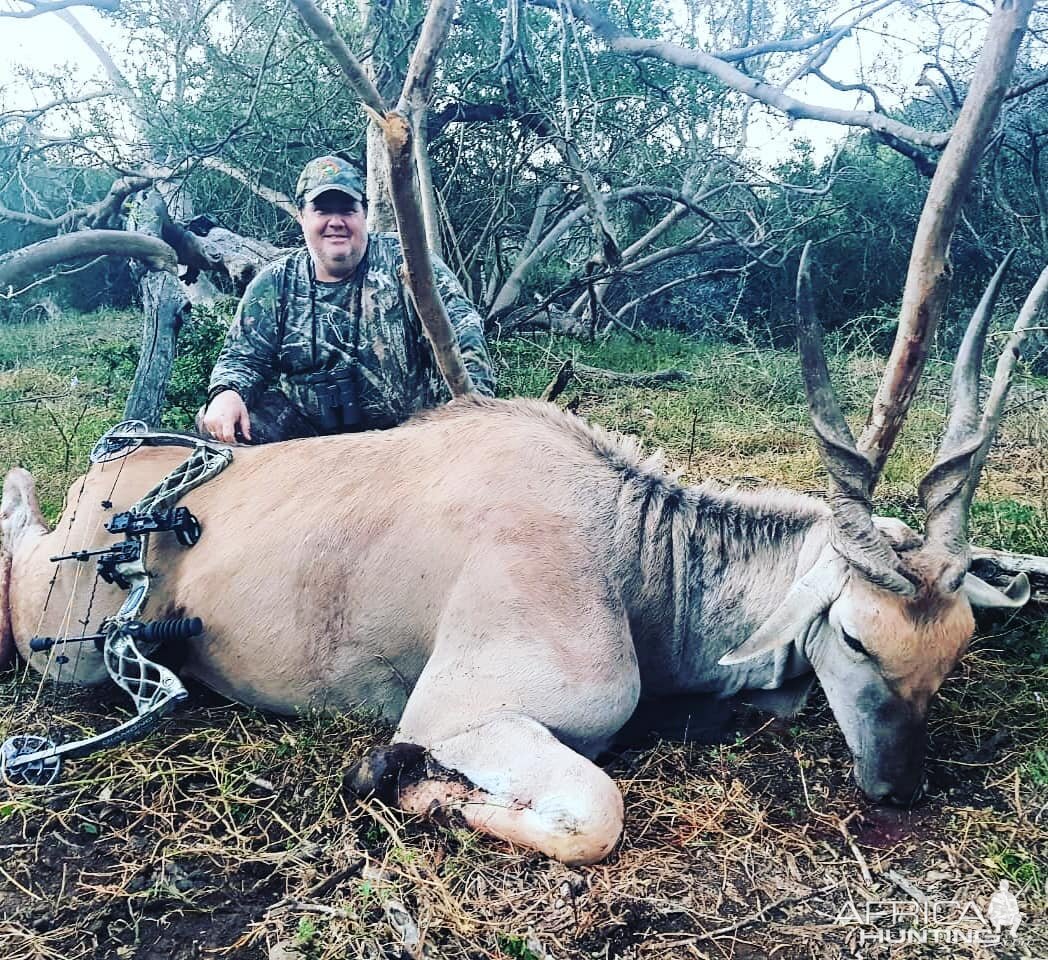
x=327, y=340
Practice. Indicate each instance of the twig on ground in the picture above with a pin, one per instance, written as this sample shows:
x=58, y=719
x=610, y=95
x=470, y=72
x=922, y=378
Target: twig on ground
x=864, y=867
x=760, y=914
x=906, y=886
x=304, y=906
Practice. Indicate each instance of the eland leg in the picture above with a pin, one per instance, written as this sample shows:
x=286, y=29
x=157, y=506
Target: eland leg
x=509, y=777
x=530, y=674
x=20, y=522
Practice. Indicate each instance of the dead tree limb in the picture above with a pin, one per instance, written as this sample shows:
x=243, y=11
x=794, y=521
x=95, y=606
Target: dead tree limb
x=24, y=264
x=928, y=276
x=999, y=566
x=165, y=305
x=34, y=8
x=622, y=41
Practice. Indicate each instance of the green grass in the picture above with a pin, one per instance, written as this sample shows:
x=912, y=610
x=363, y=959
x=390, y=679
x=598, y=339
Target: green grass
x=1018, y=866
x=516, y=947
x=64, y=382
x=740, y=419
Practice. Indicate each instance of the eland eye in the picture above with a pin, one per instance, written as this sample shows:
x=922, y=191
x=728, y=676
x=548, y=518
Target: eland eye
x=854, y=644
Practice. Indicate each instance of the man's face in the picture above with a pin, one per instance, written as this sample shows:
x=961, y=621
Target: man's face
x=336, y=234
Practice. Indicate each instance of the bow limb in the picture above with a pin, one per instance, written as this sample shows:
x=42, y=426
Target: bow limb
x=153, y=688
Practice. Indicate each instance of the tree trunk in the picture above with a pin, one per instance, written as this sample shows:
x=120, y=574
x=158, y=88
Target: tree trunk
x=385, y=68
x=164, y=307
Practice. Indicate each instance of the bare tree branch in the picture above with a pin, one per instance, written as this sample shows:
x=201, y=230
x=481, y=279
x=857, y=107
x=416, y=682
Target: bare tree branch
x=116, y=77
x=35, y=113
x=928, y=276
x=37, y=257
x=37, y=7
x=739, y=54
x=801, y=43
x=849, y=87
x=279, y=200
x=352, y=70
x=624, y=42
x=101, y=214
x=1027, y=85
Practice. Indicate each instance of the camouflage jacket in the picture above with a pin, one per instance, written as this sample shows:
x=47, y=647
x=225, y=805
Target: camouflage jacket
x=292, y=333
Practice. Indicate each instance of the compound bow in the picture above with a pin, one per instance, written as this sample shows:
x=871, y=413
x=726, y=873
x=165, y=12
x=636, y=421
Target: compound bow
x=27, y=759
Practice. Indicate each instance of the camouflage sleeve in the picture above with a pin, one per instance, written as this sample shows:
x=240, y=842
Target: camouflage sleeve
x=248, y=361
x=468, y=327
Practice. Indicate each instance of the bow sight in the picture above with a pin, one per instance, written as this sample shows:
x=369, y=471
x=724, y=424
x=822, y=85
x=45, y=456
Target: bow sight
x=179, y=521
x=27, y=759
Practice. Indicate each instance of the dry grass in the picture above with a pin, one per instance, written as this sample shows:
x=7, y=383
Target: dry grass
x=227, y=834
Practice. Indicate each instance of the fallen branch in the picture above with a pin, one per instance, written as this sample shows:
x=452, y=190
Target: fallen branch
x=997, y=566
x=907, y=886
x=37, y=257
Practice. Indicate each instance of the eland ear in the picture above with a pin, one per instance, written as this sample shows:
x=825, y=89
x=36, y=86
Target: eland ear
x=808, y=599
x=983, y=595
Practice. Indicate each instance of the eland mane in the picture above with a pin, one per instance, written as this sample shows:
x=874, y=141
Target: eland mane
x=744, y=519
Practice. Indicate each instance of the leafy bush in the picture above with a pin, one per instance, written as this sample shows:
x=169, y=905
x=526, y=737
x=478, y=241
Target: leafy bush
x=199, y=343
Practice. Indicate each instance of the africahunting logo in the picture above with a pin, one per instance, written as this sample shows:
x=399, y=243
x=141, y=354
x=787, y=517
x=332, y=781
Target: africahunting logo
x=936, y=921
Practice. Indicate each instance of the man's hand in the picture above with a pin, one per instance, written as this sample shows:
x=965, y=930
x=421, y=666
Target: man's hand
x=225, y=414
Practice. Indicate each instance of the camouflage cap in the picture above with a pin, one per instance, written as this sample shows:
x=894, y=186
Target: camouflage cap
x=328, y=173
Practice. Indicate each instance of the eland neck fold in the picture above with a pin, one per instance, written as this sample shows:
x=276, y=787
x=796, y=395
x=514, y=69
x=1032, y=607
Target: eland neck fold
x=725, y=559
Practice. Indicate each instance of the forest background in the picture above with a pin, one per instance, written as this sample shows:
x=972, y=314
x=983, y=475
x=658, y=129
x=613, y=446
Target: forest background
x=571, y=182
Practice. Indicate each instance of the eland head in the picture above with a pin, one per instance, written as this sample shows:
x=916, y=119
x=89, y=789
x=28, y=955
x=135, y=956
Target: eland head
x=885, y=614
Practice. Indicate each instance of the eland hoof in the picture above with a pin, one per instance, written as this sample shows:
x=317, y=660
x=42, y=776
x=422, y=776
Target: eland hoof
x=380, y=771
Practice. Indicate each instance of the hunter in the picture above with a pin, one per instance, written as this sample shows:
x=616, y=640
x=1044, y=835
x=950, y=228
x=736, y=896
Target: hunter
x=326, y=340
